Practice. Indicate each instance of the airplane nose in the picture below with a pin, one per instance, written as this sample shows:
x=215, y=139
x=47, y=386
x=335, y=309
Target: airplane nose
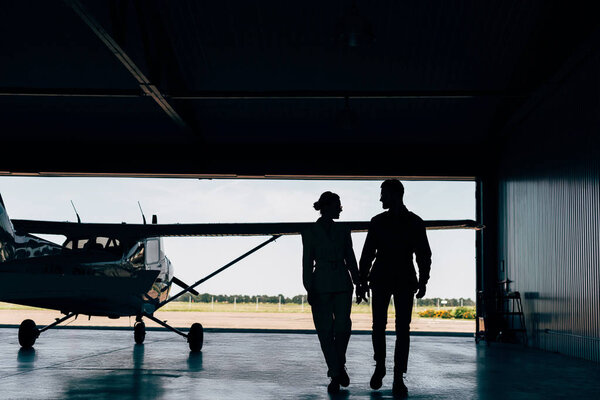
x=148, y=308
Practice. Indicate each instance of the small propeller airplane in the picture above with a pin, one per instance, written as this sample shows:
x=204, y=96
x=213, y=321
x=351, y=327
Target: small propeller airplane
x=117, y=270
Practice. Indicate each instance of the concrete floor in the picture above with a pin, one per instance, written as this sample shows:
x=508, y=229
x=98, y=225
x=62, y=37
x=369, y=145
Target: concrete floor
x=103, y=364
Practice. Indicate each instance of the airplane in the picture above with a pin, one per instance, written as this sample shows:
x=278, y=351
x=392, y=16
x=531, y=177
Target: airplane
x=117, y=270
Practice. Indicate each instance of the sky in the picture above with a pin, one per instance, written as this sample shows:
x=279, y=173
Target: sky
x=275, y=269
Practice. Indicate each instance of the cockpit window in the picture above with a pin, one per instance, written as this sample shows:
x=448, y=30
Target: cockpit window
x=108, y=243
x=97, y=243
x=77, y=244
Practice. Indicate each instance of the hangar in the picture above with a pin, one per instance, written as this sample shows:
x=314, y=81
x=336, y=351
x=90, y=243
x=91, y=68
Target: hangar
x=504, y=93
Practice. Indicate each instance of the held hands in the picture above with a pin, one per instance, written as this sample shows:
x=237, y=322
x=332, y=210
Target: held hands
x=362, y=292
x=420, y=291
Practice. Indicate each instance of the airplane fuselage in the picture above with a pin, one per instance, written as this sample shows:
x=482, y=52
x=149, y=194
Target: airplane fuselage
x=89, y=280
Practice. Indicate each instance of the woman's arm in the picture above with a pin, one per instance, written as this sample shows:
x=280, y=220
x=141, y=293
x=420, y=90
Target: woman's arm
x=307, y=260
x=350, y=259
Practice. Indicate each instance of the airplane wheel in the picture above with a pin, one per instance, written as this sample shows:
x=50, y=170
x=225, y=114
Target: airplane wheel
x=196, y=337
x=139, y=332
x=28, y=333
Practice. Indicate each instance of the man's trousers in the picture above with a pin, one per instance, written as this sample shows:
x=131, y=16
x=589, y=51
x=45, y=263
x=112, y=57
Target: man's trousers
x=403, y=303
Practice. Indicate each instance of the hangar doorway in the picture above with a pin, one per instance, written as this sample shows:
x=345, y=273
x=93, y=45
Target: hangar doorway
x=267, y=283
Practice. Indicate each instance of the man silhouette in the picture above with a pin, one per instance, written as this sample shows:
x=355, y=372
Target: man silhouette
x=393, y=237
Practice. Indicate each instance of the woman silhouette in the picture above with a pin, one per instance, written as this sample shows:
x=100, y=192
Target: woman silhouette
x=328, y=264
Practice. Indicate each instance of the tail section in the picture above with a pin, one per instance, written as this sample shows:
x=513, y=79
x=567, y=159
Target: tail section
x=7, y=235
x=15, y=246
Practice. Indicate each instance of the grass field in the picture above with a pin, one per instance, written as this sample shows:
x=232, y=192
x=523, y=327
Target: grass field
x=248, y=308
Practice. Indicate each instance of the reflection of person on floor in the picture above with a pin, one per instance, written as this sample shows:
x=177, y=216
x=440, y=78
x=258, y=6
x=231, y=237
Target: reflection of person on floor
x=393, y=237
x=328, y=270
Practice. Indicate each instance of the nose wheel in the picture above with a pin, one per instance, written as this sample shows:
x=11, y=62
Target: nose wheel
x=195, y=337
x=139, y=332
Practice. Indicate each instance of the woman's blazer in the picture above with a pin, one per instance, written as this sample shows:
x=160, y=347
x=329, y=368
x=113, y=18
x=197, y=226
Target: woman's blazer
x=328, y=260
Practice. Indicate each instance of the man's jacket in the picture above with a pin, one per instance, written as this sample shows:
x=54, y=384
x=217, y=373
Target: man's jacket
x=391, y=242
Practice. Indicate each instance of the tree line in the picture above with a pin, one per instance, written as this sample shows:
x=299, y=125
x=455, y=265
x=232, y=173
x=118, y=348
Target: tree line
x=435, y=301
x=299, y=299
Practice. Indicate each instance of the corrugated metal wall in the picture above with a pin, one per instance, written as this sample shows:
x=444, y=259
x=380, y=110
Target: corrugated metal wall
x=549, y=216
x=549, y=247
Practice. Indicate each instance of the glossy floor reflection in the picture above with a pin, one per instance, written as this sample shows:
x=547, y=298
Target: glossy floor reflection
x=103, y=364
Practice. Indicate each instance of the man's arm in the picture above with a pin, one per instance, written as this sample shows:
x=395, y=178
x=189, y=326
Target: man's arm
x=423, y=256
x=368, y=254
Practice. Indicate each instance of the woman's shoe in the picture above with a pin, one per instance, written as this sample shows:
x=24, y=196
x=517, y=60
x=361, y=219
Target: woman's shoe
x=377, y=378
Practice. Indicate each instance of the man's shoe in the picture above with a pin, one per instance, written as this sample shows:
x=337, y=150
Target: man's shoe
x=377, y=378
x=399, y=389
x=344, y=379
x=334, y=386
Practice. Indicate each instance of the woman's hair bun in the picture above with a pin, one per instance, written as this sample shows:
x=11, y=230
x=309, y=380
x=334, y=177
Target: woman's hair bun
x=326, y=198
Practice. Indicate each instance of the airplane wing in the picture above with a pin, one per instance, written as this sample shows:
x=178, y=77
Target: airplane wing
x=139, y=231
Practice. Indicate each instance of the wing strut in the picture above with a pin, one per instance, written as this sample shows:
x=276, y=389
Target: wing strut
x=223, y=268
x=164, y=324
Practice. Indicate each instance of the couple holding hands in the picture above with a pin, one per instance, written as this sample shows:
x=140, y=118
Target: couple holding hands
x=330, y=273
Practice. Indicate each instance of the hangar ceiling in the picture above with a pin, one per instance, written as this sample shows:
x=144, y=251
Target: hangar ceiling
x=226, y=88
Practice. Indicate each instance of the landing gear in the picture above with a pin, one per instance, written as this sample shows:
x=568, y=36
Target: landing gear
x=195, y=337
x=139, y=332
x=28, y=333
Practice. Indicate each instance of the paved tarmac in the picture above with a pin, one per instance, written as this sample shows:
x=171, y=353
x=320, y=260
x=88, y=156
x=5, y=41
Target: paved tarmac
x=233, y=320
x=105, y=364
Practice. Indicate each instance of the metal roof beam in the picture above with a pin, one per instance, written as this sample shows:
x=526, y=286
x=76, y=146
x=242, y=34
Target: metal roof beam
x=341, y=94
x=70, y=92
x=266, y=95
x=145, y=85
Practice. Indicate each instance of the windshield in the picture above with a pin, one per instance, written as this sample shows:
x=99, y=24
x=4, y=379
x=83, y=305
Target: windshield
x=5, y=224
x=152, y=251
